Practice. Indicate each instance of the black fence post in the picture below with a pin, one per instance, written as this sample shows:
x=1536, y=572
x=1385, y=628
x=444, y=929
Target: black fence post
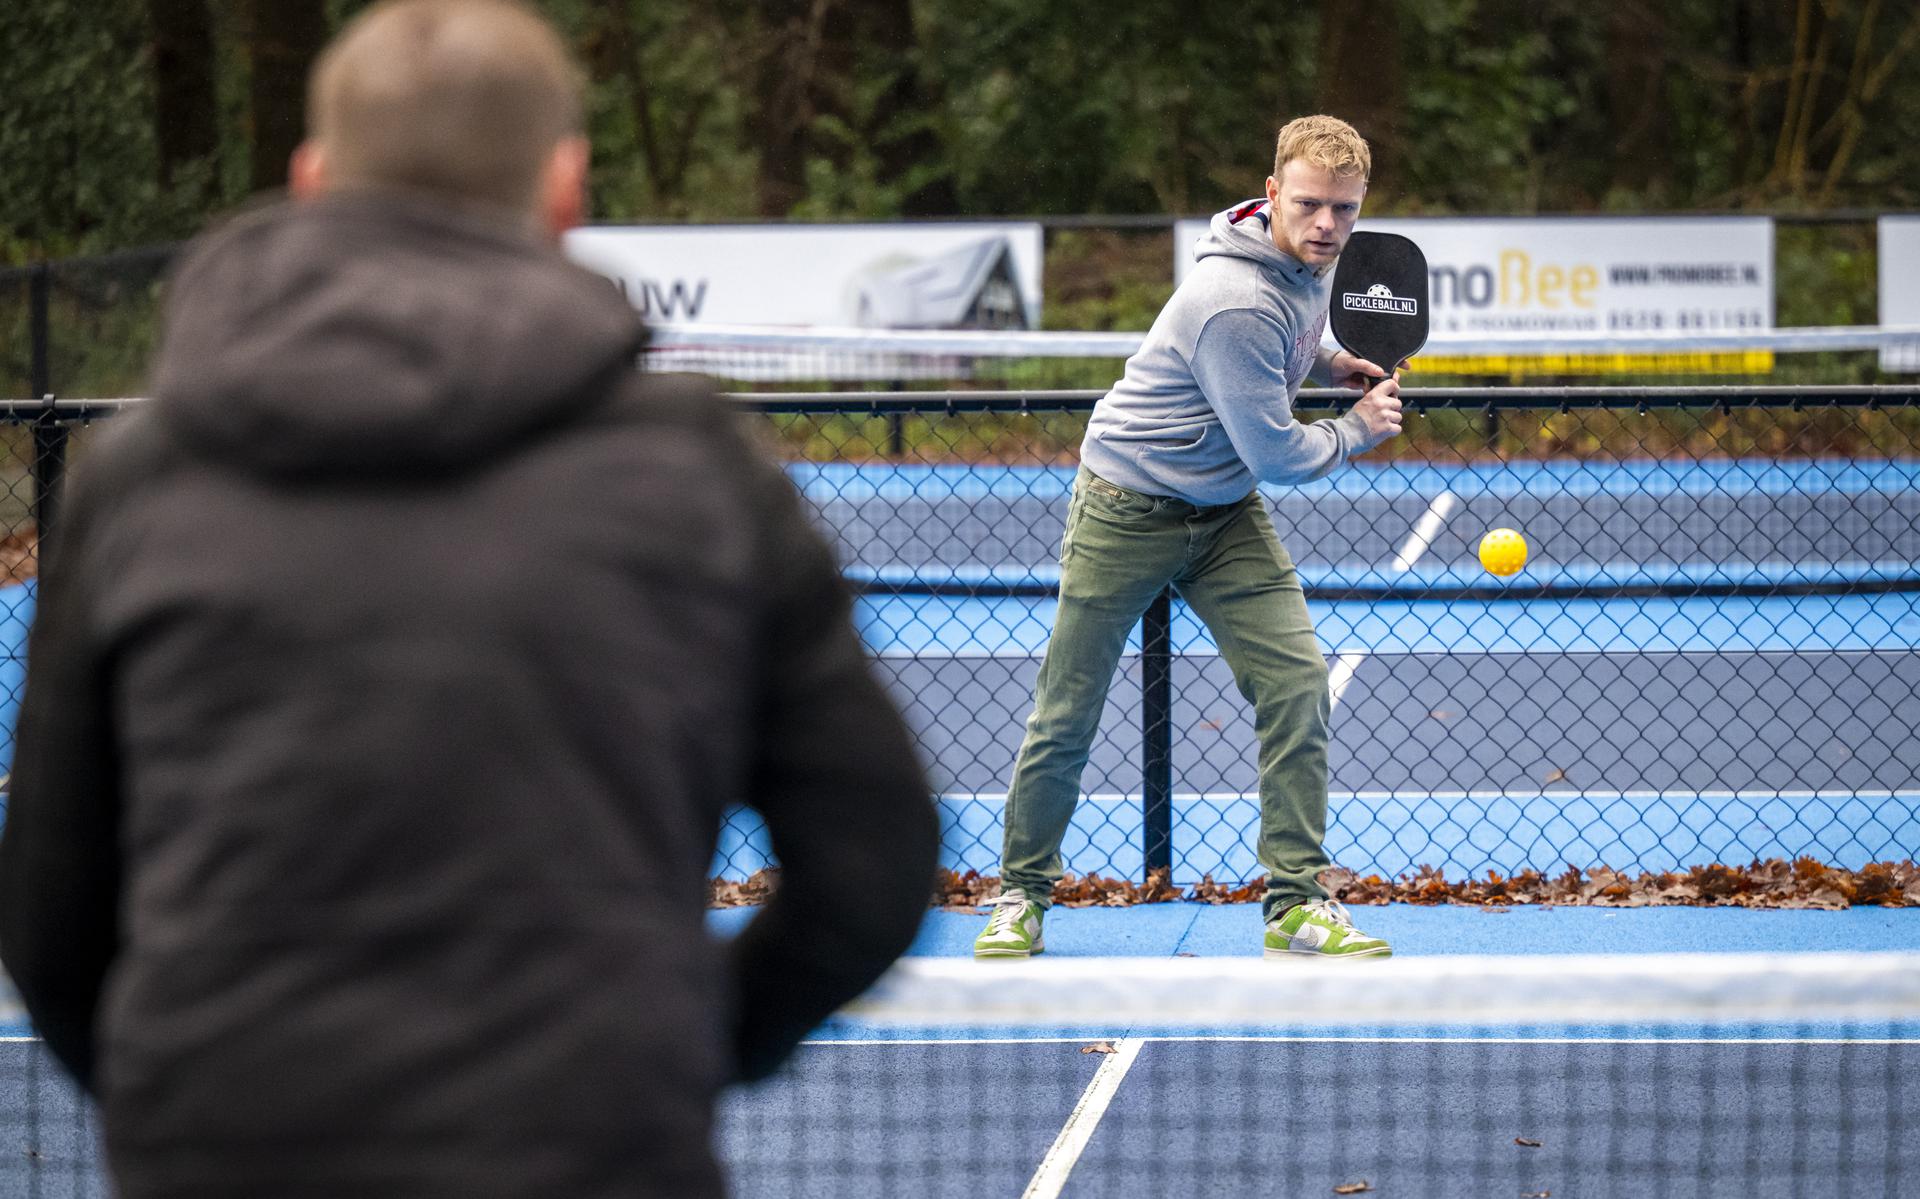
x=39, y=299
x=49, y=436
x=1156, y=732
x=897, y=427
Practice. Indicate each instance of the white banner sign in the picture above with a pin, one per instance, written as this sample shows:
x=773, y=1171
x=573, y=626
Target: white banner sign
x=930, y=275
x=1573, y=275
x=1900, y=288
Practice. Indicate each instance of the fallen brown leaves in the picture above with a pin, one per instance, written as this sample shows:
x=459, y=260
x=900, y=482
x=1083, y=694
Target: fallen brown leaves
x=1097, y=891
x=19, y=556
x=969, y=890
x=1208, y=891
x=1770, y=884
x=758, y=888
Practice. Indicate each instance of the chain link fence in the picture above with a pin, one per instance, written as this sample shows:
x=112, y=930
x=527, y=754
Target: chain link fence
x=1713, y=655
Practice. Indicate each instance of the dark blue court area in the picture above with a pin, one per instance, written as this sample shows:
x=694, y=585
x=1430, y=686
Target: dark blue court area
x=1406, y=1116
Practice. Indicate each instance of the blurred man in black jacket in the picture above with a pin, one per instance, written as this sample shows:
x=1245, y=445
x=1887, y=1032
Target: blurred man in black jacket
x=392, y=672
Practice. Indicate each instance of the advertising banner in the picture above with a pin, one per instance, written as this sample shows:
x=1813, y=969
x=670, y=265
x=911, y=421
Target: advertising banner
x=1900, y=288
x=1567, y=276
x=925, y=275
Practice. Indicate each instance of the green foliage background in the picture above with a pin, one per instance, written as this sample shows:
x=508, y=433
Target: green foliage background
x=1073, y=106
x=874, y=109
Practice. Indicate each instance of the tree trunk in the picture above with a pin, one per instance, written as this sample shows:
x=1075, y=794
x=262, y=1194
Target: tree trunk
x=1637, y=40
x=185, y=101
x=283, y=39
x=1361, y=78
x=617, y=56
x=899, y=128
x=783, y=100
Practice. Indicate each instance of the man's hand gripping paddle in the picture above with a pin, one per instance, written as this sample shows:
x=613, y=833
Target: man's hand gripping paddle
x=1379, y=309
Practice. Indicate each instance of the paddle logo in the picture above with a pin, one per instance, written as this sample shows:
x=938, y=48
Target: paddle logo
x=1380, y=298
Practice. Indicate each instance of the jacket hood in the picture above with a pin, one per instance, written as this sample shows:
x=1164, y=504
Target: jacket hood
x=1246, y=231
x=376, y=331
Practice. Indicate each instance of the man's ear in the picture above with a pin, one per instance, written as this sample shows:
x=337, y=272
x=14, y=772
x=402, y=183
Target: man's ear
x=308, y=174
x=563, y=187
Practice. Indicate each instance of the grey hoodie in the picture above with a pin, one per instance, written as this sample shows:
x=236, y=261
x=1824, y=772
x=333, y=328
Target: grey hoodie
x=1205, y=409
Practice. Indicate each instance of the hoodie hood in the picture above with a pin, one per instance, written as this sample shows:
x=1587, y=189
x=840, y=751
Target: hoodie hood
x=1246, y=231
x=379, y=331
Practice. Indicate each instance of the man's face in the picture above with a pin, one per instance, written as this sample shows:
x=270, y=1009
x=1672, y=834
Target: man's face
x=1313, y=211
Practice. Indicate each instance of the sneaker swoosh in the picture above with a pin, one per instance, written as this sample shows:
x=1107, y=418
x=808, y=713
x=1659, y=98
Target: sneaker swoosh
x=1310, y=935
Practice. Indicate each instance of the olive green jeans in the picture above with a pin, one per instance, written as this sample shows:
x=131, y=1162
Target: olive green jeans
x=1121, y=547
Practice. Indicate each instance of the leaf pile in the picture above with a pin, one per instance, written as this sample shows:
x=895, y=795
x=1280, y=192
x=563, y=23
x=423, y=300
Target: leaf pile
x=1097, y=891
x=1805, y=883
x=1774, y=883
x=758, y=888
x=19, y=557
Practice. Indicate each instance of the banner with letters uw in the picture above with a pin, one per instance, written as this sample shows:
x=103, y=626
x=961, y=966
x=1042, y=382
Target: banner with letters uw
x=905, y=275
x=1574, y=275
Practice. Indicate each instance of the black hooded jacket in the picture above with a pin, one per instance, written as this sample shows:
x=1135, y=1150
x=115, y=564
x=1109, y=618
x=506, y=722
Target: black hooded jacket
x=390, y=676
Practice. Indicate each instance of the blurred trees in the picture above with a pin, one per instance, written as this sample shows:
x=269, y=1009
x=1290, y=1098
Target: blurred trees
x=281, y=40
x=127, y=121
x=186, y=101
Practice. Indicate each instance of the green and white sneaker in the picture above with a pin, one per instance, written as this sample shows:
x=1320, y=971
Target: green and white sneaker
x=1013, y=931
x=1321, y=930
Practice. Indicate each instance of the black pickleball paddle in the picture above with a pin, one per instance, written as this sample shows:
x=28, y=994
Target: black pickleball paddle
x=1379, y=308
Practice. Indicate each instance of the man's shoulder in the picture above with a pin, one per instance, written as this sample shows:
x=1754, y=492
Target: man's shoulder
x=126, y=452
x=685, y=419
x=644, y=402
x=663, y=396
x=1222, y=284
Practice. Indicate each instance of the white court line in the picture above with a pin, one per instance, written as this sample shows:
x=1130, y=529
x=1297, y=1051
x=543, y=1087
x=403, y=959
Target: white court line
x=1306, y=1040
x=1067, y=1147
x=1418, y=543
x=1424, y=531
x=1343, y=670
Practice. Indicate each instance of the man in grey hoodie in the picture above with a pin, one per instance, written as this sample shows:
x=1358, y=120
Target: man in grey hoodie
x=1165, y=495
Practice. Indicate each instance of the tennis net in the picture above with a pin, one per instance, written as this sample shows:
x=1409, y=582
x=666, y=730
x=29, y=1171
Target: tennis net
x=1672, y=1075
x=1651, y=1075
x=879, y=359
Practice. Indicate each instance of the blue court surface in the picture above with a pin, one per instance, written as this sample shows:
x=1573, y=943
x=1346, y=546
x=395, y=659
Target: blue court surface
x=1233, y=930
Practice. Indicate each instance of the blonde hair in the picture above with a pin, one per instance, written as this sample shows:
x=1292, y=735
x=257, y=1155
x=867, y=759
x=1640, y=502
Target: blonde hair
x=1322, y=141
x=464, y=97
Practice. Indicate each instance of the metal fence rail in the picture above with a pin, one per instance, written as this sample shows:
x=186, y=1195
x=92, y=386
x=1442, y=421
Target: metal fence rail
x=1713, y=656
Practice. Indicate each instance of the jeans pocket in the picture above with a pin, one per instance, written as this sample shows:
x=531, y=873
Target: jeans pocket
x=1115, y=500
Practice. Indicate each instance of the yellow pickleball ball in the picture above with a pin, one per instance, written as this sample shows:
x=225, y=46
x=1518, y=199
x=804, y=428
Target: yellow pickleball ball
x=1503, y=552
